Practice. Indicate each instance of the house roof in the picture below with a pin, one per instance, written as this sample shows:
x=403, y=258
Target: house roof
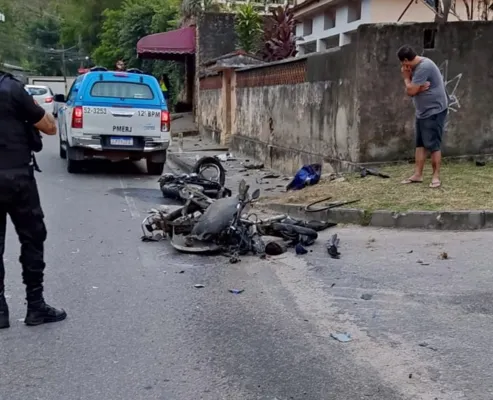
x=235, y=59
x=177, y=42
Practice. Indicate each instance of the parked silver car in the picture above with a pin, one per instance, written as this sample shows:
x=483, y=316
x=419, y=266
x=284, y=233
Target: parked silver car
x=44, y=97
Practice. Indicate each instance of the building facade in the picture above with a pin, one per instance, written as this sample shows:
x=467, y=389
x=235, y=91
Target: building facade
x=325, y=24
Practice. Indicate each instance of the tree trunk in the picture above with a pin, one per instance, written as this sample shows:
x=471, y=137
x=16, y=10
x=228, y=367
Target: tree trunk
x=442, y=14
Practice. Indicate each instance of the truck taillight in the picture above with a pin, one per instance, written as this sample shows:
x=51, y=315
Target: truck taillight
x=165, y=121
x=77, y=117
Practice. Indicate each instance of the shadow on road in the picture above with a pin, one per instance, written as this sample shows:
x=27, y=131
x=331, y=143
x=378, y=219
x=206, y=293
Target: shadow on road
x=104, y=167
x=153, y=196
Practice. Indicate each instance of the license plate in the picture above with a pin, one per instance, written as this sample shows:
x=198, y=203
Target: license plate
x=119, y=141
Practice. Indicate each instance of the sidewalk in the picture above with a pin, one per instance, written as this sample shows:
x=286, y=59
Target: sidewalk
x=182, y=123
x=185, y=152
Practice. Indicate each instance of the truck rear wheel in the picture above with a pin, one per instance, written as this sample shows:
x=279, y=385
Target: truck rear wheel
x=154, y=168
x=73, y=166
x=63, y=152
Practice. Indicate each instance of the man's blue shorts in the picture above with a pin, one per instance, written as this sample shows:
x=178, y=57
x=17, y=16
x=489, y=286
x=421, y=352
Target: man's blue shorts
x=429, y=131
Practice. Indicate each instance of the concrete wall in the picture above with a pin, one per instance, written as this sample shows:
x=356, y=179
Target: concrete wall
x=348, y=106
x=211, y=115
x=216, y=35
x=293, y=113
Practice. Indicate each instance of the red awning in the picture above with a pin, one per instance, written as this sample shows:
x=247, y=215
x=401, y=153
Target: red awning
x=177, y=42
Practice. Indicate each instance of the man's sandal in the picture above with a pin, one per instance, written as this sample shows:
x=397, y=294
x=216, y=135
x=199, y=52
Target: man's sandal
x=409, y=181
x=435, y=184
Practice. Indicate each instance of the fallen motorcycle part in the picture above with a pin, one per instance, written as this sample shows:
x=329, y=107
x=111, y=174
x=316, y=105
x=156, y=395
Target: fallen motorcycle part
x=317, y=226
x=274, y=246
x=172, y=186
x=212, y=163
x=332, y=247
x=309, y=207
x=216, y=218
x=370, y=171
x=290, y=232
x=185, y=244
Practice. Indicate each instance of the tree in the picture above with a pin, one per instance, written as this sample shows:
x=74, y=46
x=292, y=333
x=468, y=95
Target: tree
x=109, y=49
x=479, y=9
x=442, y=13
x=124, y=27
x=475, y=9
x=248, y=26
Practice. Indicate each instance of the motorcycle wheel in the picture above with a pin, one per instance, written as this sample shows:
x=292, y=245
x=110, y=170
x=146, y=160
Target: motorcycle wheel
x=213, y=163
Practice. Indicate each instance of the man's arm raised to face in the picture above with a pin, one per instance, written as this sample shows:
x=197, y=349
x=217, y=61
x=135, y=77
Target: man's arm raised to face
x=417, y=82
x=32, y=112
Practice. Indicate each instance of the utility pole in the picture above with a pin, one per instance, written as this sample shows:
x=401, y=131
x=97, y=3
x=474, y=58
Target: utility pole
x=64, y=67
x=80, y=51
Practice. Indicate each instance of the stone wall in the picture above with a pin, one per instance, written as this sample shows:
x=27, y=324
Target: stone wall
x=348, y=106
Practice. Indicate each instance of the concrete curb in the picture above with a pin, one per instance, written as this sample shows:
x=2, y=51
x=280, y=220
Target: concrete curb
x=438, y=220
x=180, y=162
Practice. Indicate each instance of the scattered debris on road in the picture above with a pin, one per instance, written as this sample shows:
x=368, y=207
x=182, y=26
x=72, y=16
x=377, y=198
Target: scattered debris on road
x=444, y=256
x=198, y=286
x=426, y=345
x=236, y=291
x=300, y=250
x=332, y=245
x=226, y=157
x=373, y=172
x=254, y=166
x=205, y=224
x=341, y=337
x=366, y=296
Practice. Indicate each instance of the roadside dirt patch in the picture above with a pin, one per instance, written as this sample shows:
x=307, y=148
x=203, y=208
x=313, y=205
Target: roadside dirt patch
x=465, y=186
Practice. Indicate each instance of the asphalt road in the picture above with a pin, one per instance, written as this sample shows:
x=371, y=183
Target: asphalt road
x=138, y=329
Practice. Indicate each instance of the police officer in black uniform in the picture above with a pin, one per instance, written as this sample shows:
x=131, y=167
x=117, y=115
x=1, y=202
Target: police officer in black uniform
x=19, y=117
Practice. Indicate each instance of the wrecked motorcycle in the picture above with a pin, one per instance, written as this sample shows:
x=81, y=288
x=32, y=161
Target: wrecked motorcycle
x=219, y=228
x=204, y=225
x=223, y=226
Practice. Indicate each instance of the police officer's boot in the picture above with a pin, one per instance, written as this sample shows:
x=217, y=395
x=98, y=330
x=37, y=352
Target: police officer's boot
x=4, y=312
x=38, y=312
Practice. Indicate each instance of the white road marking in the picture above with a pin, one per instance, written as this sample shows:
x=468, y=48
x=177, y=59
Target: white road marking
x=134, y=212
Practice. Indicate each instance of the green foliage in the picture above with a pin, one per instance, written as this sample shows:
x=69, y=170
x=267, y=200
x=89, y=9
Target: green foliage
x=44, y=34
x=109, y=49
x=48, y=36
x=280, y=38
x=10, y=47
x=124, y=27
x=248, y=26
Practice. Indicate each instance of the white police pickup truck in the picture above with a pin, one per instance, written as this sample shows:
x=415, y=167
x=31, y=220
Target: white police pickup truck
x=116, y=116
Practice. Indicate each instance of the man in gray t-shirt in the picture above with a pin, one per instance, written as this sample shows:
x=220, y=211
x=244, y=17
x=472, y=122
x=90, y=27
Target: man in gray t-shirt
x=424, y=83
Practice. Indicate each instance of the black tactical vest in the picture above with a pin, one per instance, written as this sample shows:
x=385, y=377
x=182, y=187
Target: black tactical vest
x=15, y=150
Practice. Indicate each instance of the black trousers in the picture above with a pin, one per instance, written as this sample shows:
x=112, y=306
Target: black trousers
x=19, y=199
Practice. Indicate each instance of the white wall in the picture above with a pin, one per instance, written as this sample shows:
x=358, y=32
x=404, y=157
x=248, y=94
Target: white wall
x=337, y=32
